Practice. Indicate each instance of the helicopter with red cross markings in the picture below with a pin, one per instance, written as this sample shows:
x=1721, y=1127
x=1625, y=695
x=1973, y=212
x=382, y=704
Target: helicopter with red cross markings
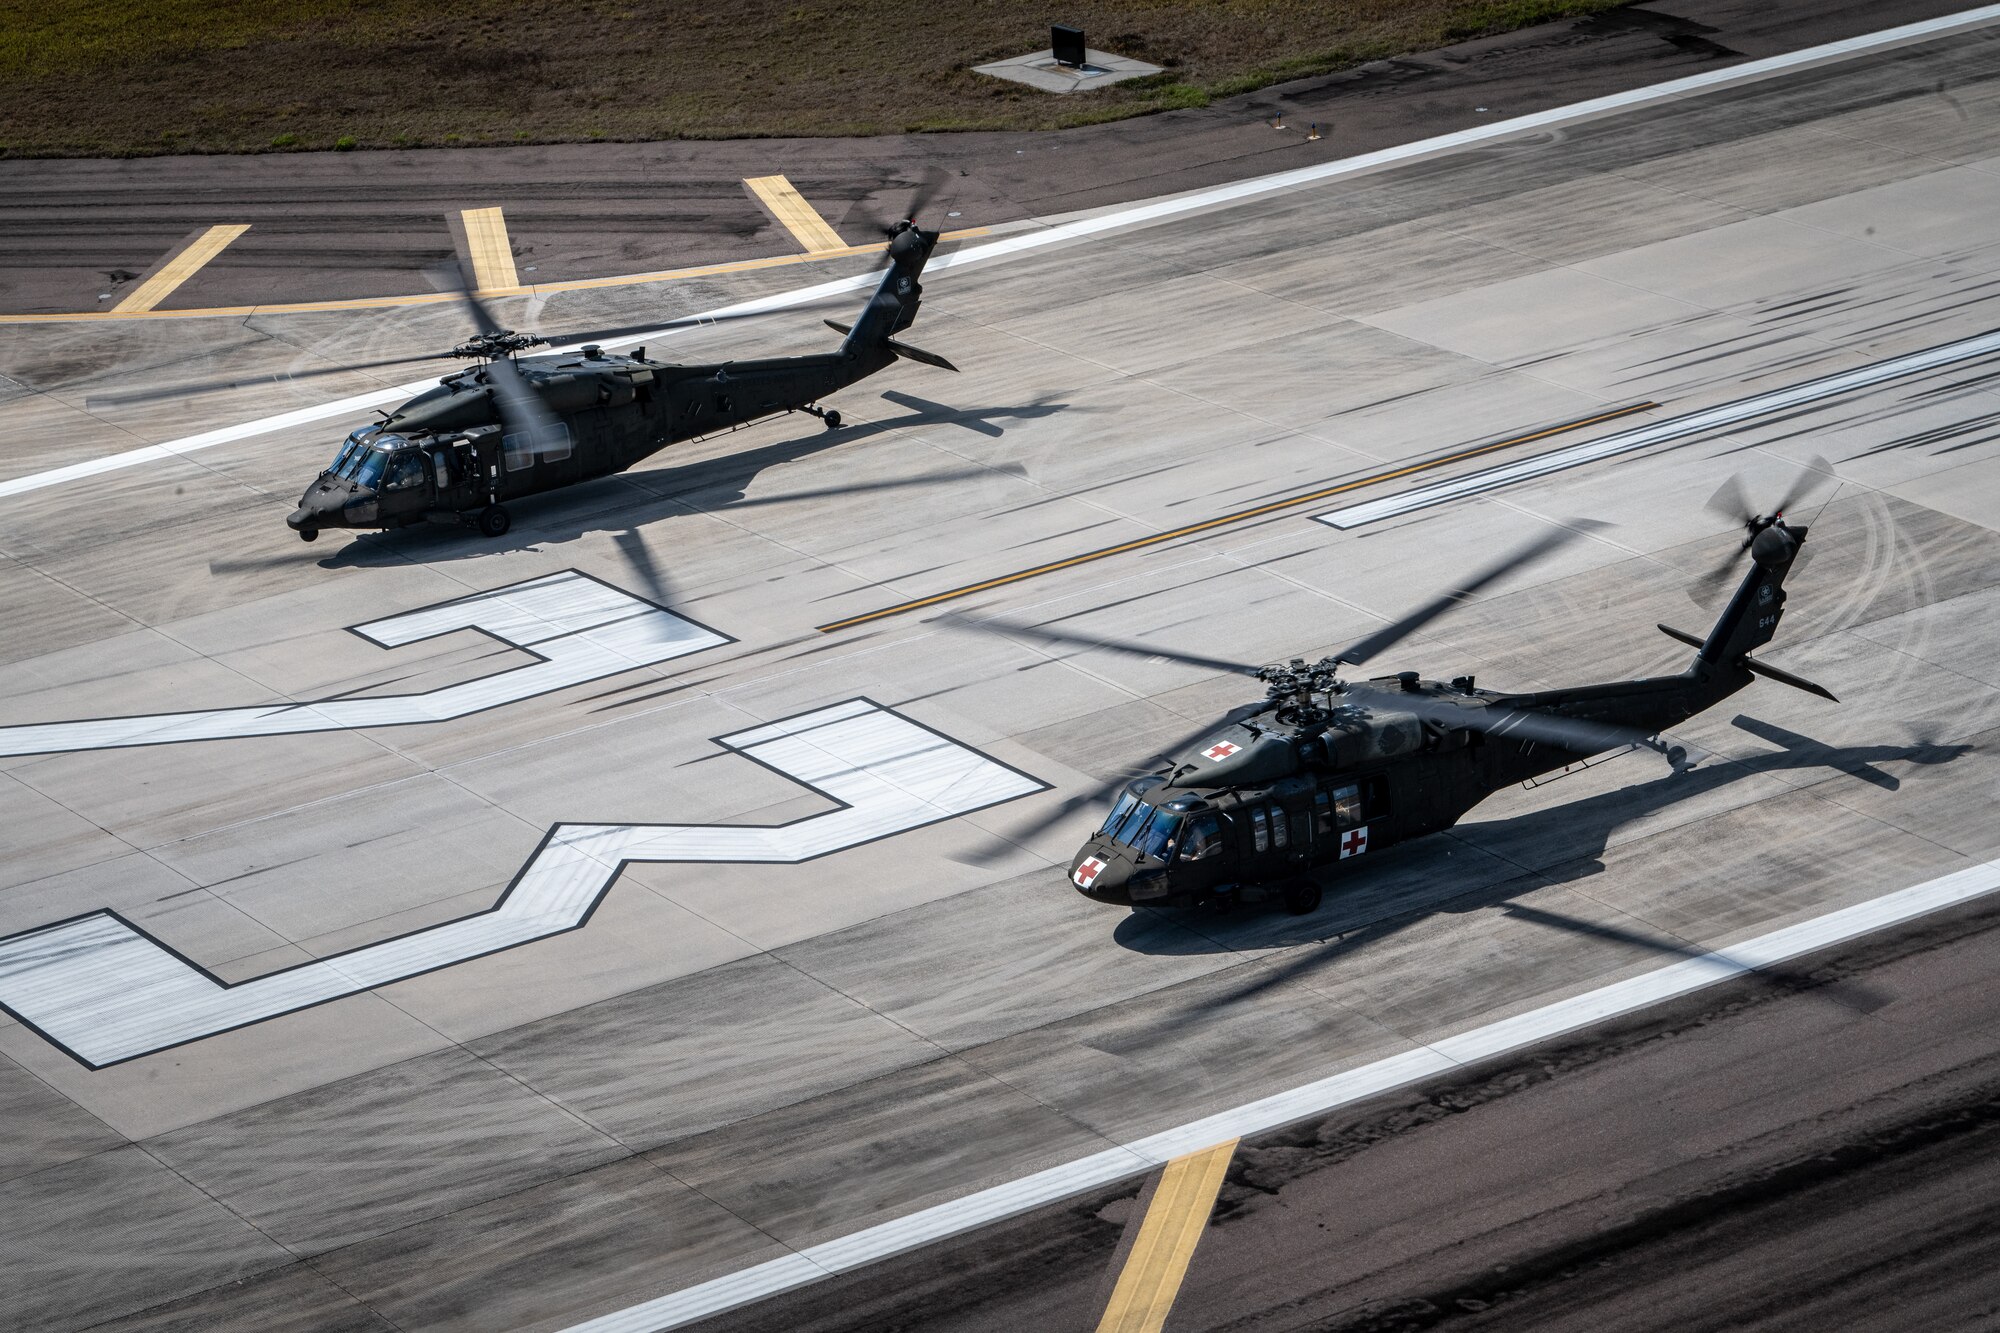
x=1323, y=772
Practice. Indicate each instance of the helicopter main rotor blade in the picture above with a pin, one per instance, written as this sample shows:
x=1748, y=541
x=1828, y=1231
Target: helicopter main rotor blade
x=686, y=322
x=1396, y=631
x=1522, y=724
x=522, y=411
x=999, y=844
x=994, y=625
x=212, y=386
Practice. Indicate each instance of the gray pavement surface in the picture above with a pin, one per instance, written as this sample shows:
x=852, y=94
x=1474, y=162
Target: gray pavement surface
x=1809, y=1150
x=729, y=1060
x=76, y=235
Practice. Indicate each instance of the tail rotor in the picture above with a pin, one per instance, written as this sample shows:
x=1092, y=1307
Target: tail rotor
x=1732, y=501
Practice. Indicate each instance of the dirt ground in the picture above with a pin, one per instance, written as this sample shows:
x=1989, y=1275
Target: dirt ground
x=120, y=77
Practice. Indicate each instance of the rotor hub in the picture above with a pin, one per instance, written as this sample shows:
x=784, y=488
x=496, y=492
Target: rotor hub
x=492, y=346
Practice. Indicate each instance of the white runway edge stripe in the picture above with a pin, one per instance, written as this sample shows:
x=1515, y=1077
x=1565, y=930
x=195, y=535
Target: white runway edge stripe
x=1045, y=1187
x=1716, y=418
x=105, y=992
x=579, y=629
x=1154, y=211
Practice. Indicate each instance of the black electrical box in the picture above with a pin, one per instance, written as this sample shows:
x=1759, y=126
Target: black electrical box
x=1068, y=44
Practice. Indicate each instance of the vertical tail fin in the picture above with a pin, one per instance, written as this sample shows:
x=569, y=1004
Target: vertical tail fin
x=1751, y=618
x=893, y=308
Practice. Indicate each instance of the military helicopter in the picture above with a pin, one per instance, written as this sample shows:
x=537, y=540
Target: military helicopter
x=1322, y=770
x=510, y=427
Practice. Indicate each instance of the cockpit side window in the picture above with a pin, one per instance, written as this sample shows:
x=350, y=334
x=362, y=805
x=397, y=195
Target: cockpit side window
x=1157, y=839
x=1203, y=840
x=367, y=469
x=406, y=470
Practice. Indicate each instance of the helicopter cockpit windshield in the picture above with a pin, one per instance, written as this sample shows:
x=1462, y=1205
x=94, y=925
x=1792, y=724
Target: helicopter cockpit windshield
x=1144, y=828
x=364, y=455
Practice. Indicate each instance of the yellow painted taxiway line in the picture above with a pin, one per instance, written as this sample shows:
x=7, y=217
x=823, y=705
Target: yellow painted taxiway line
x=795, y=215
x=441, y=298
x=1240, y=516
x=178, y=268
x=1172, y=1227
x=491, y=253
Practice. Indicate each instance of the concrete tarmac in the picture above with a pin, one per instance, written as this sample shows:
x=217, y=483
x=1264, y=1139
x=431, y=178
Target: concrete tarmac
x=1813, y=1149
x=715, y=1062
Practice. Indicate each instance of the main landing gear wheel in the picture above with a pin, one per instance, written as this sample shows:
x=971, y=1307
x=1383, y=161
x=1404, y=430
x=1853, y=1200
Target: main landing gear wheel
x=832, y=420
x=1302, y=897
x=308, y=533
x=494, y=520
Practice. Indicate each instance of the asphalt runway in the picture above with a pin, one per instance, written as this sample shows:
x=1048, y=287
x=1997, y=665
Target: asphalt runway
x=563, y=977
x=80, y=235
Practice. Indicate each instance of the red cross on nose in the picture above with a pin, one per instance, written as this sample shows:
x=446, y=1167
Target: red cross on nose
x=1220, y=750
x=1088, y=872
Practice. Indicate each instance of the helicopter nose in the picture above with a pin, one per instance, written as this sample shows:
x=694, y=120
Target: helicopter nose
x=1100, y=874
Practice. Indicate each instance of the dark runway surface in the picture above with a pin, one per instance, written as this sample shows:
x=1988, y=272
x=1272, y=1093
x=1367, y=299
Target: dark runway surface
x=1811, y=1150
x=77, y=235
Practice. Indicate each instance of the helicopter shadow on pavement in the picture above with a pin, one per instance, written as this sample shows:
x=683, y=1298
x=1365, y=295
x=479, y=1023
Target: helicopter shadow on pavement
x=626, y=502
x=1412, y=883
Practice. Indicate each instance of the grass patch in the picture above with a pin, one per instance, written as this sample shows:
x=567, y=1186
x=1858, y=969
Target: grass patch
x=104, y=76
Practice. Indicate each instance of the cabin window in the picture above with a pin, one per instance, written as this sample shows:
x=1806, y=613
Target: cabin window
x=522, y=450
x=441, y=464
x=1260, y=829
x=1347, y=805
x=1278, y=830
x=1322, y=813
x=1204, y=839
x=1374, y=797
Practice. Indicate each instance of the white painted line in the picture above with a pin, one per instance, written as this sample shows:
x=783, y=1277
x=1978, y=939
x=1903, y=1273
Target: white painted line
x=581, y=629
x=1156, y=211
x=105, y=991
x=904, y=1234
x=1660, y=432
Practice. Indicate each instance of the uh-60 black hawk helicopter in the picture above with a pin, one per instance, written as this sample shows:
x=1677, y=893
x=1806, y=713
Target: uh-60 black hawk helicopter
x=1323, y=771
x=514, y=426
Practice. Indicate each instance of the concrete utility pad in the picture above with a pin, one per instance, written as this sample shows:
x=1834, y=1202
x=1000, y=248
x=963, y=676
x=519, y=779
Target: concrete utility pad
x=1039, y=69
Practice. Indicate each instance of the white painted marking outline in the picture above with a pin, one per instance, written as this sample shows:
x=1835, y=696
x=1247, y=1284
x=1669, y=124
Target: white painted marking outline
x=103, y=991
x=578, y=629
x=1154, y=211
x=873, y=1244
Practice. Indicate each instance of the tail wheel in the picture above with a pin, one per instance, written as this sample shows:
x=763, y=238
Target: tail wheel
x=494, y=520
x=1302, y=897
x=832, y=420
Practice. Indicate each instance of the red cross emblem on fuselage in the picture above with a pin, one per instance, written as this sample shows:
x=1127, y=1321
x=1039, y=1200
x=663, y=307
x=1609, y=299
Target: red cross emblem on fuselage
x=1354, y=843
x=1086, y=874
x=1220, y=750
